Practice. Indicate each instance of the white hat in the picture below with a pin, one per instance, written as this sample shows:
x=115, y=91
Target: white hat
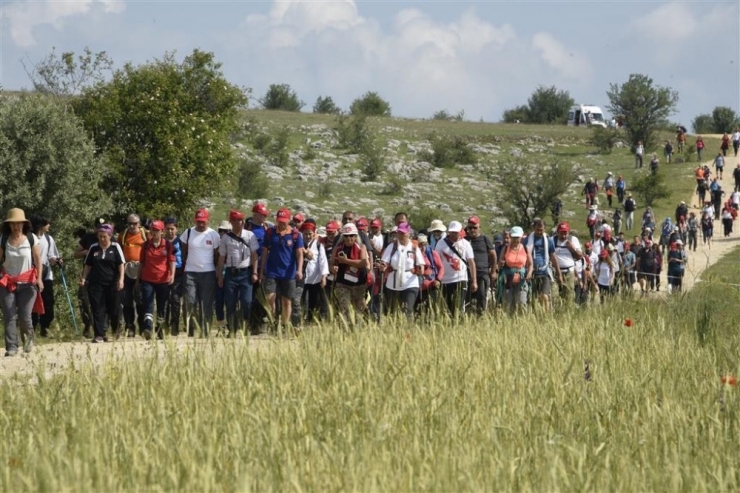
x=321, y=232
x=349, y=229
x=225, y=225
x=455, y=227
x=437, y=225
x=679, y=242
x=516, y=232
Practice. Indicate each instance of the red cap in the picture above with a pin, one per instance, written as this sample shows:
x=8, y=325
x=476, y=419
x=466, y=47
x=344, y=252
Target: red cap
x=298, y=218
x=376, y=223
x=157, y=225
x=474, y=220
x=564, y=227
x=260, y=208
x=362, y=224
x=588, y=244
x=235, y=215
x=603, y=254
x=308, y=227
x=202, y=215
x=332, y=227
x=283, y=216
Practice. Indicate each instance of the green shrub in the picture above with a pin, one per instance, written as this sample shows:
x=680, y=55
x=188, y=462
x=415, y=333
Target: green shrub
x=325, y=106
x=604, y=139
x=353, y=132
x=393, y=185
x=449, y=151
x=372, y=159
x=253, y=182
x=281, y=97
x=370, y=104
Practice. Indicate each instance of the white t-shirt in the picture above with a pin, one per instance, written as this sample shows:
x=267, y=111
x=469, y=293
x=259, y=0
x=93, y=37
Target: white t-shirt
x=235, y=253
x=376, y=241
x=200, y=249
x=403, y=261
x=317, y=267
x=455, y=268
x=48, y=251
x=604, y=272
x=736, y=136
x=19, y=259
x=565, y=258
x=735, y=197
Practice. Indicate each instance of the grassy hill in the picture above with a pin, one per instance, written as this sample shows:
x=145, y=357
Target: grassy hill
x=323, y=180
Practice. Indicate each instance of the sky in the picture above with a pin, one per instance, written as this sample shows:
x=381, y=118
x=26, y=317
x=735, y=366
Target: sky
x=421, y=56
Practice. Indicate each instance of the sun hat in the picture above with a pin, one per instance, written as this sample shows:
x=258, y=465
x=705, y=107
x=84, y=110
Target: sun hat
x=260, y=208
x=349, y=229
x=437, y=225
x=17, y=216
x=225, y=225
x=404, y=228
x=235, y=215
x=283, y=216
x=202, y=215
x=321, y=232
x=422, y=239
x=516, y=232
x=157, y=225
x=455, y=227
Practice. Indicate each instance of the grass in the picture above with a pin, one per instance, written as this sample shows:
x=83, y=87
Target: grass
x=496, y=404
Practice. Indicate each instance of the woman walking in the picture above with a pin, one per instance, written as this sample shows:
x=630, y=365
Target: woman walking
x=103, y=276
x=403, y=263
x=20, y=283
x=516, y=272
x=350, y=265
x=604, y=271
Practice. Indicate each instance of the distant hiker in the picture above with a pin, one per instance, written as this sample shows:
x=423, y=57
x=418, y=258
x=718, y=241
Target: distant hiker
x=725, y=144
x=668, y=151
x=699, y=147
x=654, y=164
x=676, y=266
x=403, y=263
x=665, y=233
x=629, y=209
x=49, y=257
x=707, y=228
x=604, y=273
x=617, y=221
x=433, y=273
x=727, y=219
x=639, y=153
x=156, y=275
x=592, y=220
x=544, y=260
x=485, y=264
x=736, y=140
x=132, y=240
x=590, y=189
x=567, y=253
x=719, y=165
x=646, y=266
x=693, y=225
x=736, y=176
x=556, y=209
x=681, y=210
x=609, y=187
x=316, y=270
x=621, y=185
x=200, y=249
x=174, y=302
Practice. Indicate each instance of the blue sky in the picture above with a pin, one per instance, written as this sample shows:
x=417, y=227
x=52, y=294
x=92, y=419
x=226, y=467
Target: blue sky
x=480, y=57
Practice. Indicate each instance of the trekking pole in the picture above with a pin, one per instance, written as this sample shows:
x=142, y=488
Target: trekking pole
x=69, y=299
x=381, y=296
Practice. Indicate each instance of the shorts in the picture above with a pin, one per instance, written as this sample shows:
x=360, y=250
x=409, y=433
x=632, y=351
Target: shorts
x=541, y=285
x=282, y=287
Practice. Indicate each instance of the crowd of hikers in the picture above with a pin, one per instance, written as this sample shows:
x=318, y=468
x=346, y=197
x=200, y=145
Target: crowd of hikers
x=161, y=276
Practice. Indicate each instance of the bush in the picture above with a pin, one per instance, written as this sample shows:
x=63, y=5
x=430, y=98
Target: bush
x=724, y=119
x=516, y=115
x=449, y=151
x=393, y=186
x=650, y=187
x=277, y=152
x=370, y=104
x=604, y=139
x=422, y=218
x=325, y=190
x=444, y=115
x=703, y=124
x=309, y=153
x=372, y=159
x=325, y=105
x=281, y=97
x=253, y=182
x=353, y=133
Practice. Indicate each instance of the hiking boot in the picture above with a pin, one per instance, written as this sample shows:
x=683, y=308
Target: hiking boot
x=131, y=333
x=98, y=340
x=118, y=334
x=11, y=352
x=147, y=334
x=44, y=332
x=28, y=345
x=87, y=333
x=174, y=332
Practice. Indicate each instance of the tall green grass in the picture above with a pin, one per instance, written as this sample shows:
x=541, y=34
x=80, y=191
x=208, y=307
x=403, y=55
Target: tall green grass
x=494, y=404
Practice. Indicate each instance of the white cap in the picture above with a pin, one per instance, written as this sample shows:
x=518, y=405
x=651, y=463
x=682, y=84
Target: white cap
x=455, y=227
x=349, y=229
x=225, y=225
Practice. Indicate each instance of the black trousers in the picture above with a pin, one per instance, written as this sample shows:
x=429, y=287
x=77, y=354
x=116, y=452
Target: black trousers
x=105, y=304
x=315, y=298
x=172, y=313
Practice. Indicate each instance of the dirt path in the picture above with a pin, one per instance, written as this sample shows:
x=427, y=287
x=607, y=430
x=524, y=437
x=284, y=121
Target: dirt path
x=52, y=358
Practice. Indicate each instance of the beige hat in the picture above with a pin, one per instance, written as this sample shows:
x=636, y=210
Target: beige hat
x=17, y=216
x=225, y=225
x=437, y=225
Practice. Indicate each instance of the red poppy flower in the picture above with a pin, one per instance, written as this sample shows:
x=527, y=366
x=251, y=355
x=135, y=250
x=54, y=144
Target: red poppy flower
x=408, y=337
x=728, y=380
x=628, y=322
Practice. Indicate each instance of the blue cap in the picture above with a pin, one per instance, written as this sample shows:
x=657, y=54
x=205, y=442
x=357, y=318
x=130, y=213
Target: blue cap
x=516, y=232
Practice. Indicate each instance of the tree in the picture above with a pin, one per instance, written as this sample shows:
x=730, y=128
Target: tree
x=353, y=133
x=326, y=106
x=372, y=159
x=703, y=124
x=370, y=104
x=64, y=75
x=650, y=187
x=724, y=119
x=444, y=115
x=163, y=131
x=643, y=106
x=281, y=97
x=549, y=105
x=605, y=139
x=528, y=188
x=516, y=115
x=49, y=164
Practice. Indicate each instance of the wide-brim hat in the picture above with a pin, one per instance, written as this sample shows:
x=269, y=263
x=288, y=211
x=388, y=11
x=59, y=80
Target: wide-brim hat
x=437, y=225
x=17, y=216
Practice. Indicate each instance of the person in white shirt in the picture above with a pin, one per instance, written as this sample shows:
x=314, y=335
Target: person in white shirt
x=403, y=264
x=639, y=153
x=604, y=272
x=200, y=255
x=316, y=271
x=457, y=258
x=49, y=257
x=567, y=252
x=736, y=140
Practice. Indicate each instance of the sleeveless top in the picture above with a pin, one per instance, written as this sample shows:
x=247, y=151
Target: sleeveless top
x=516, y=259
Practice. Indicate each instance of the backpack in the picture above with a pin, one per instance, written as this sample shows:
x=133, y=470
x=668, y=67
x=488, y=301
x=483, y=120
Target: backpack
x=4, y=244
x=125, y=232
x=647, y=255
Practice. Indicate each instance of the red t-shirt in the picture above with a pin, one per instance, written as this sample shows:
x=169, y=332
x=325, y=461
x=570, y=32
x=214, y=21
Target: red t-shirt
x=155, y=262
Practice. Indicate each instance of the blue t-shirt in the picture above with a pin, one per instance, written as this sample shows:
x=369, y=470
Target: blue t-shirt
x=259, y=232
x=538, y=253
x=281, y=258
x=177, y=248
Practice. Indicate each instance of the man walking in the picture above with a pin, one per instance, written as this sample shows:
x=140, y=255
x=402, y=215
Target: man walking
x=459, y=267
x=200, y=254
x=172, y=314
x=542, y=249
x=132, y=240
x=567, y=253
x=237, y=253
x=629, y=211
x=485, y=264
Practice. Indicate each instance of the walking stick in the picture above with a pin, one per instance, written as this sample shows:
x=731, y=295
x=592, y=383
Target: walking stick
x=69, y=299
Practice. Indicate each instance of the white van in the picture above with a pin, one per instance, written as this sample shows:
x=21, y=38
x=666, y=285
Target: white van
x=586, y=115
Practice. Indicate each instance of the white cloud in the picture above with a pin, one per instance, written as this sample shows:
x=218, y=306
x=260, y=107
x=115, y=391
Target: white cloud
x=669, y=22
x=556, y=55
x=23, y=18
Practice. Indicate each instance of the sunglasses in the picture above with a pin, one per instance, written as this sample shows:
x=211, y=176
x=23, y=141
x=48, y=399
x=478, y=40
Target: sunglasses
x=133, y=224
x=350, y=236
